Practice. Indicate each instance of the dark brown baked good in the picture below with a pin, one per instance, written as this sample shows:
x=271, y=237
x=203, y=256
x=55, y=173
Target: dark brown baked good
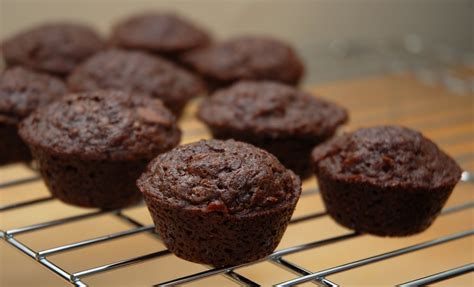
x=21, y=92
x=91, y=147
x=55, y=47
x=137, y=72
x=159, y=32
x=387, y=180
x=246, y=58
x=219, y=202
x=276, y=117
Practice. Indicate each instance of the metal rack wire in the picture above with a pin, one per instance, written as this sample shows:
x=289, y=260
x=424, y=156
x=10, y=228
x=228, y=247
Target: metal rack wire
x=277, y=258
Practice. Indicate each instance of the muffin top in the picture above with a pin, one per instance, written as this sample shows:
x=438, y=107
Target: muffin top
x=136, y=72
x=247, y=58
x=223, y=176
x=270, y=109
x=160, y=32
x=386, y=156
x=22, y=91
x=100, y=125
x=55, y=47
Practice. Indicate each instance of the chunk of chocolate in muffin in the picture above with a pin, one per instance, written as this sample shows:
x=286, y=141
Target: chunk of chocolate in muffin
x=219, y=202
x=386, y=180
x=246, y=58
x=159, y=32
x=278, y=118
x=21, y=92
x=55, y=48
x=91, y=147
x=139, y=73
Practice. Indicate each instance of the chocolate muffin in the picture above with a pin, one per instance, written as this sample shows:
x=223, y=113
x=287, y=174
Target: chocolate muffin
x=159, y=32
x=387, y=180
x=54, y=48
x=21, y=92
x=219, y=202
x=278, y=118
x=91, y=147
x=139, y=73
x=246, y=58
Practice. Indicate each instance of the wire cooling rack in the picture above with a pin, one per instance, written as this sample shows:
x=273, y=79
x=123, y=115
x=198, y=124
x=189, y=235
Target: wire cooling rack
x=12, y=236
x=277, y=258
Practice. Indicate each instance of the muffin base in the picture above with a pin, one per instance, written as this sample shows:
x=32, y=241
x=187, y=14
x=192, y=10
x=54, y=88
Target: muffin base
x=294, y=154
x=12, y=147
x=97, y=184
x=382, y=211
x=216, y=238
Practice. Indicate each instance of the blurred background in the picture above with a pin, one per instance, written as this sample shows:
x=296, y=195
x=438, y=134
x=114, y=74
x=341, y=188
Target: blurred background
x=338, y=39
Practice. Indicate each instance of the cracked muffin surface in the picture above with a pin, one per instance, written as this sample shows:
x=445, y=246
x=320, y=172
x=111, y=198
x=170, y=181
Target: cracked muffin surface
x=387, y=156
x=214, y=175
x=103, y=124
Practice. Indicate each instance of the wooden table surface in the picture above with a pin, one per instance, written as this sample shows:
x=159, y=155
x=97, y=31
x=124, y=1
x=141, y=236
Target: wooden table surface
x=446, y=118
